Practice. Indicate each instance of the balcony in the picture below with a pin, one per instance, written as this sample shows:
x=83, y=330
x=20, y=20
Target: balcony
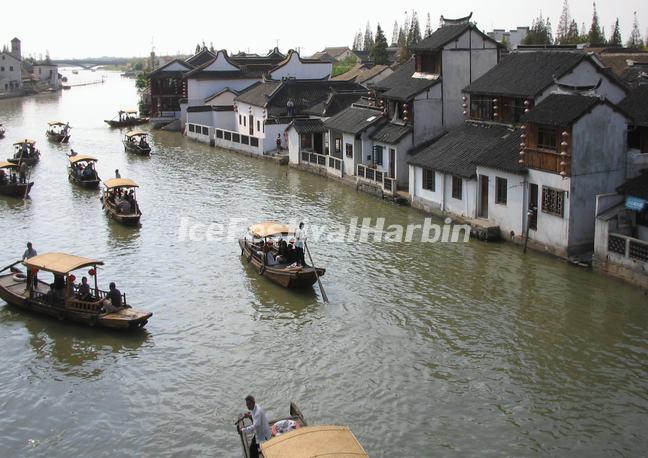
x=547, y=161
x=628, y=247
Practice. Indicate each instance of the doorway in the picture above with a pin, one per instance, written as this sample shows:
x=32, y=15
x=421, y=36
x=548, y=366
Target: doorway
x=392, y=163
x=533, y=206
x=483, y=206
x=317, y=143
x=251, y=124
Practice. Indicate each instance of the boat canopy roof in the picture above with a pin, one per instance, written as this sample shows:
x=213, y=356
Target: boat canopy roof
x=22, y=142
x=268, y=228
x=60, y=263
x=81, y=158
x=128, y=111
x=120, y=183
x=7, y=165
x=57, y=123
x=314, y=441
x=136, y=133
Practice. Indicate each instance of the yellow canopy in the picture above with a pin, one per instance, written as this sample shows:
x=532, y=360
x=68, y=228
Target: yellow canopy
x=120, y=183
x=6, y=165
x=268, y=228
x=57, y=123
x=128, y=111
x=29, y=142
x=81, y=157
x=135, y=133
x=314, y=441
x=60, y=263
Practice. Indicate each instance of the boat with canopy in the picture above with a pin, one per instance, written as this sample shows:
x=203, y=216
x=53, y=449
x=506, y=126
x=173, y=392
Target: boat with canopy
x=120, y=202
x=137, y=142
x=66, y=299
x=2, y=131
x=82, y=171
x=126, y=118
x=10, y=184
x=260, y=248
x=314, y=441
x=26, y=152
x=58, y=132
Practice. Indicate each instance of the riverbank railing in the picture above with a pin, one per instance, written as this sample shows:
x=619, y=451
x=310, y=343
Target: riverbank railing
x=376, y=177
x=333, y=165
x=628, y=247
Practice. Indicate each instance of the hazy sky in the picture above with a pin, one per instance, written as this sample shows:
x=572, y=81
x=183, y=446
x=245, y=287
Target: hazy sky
x=127, y=28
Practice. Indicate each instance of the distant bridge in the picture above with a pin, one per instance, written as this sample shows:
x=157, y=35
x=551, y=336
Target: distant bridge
x=91, y=63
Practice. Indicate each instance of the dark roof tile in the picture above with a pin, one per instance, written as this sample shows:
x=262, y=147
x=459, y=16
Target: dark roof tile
x=308, y=126
x=441, y=36
x=354, y=119
x=561, y=109
x=390, y=133
x=636, y=187
x=504, y=154
x=636, y=105
x=401, y=86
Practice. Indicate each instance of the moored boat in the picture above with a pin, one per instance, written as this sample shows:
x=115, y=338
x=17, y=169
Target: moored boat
x=119, y=201
x=10, y=184
x=260, y=241
x=137, y=142
x=64, y=299
x=26, y=152
x=58, y=132
x=126, y=118
x=82, y=171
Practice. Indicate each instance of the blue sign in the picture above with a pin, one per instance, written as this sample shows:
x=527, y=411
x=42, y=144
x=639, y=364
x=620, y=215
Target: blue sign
x=635, y=203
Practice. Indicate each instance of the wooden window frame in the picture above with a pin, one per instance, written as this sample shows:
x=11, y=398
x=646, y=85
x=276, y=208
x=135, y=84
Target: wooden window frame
x=501, y=190
x=457, y=187
x=429, y=180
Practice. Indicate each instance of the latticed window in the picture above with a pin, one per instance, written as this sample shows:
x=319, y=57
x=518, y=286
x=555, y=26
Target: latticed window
x=553, y=201
x=547, y=138
x=481, y=107
x=429, y=177
x=457, y=188
x=349, y=149
x=501, y=190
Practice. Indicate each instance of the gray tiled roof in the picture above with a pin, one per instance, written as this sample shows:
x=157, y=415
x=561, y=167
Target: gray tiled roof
x=308, y=126
x=456, y=152
x=441, y=36
x=561, y=109
x=636, y=105
x=335, y=103
x=354, y=119
x=526, y=73
x=390, y=133
x=636, y=187
x=401, y=86
x=504, y=154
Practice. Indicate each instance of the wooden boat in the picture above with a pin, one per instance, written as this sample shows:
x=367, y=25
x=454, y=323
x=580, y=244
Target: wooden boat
x=82, y=171
x=10, y=185
x=295, y=415
x=61, y=299
x=58, y=132
x=126, y=118
x=292, y=437
x=120, y=209
x=136, y=142
x=30, y=158
x=283, y=274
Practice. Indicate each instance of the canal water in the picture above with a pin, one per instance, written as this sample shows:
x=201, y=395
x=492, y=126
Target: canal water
x=425, y=349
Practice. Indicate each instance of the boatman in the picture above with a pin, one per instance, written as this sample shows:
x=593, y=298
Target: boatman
x=31, y=276
x=301, y=236
x=260, y=426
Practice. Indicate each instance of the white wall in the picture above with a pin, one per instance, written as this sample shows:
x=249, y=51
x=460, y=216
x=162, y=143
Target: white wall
x=242, y=125
x=294, y=147
x=9, y=78
x=428, y=121
x=401, y=169
x=223, y=99
x=295, y=68
x=271, y=131
x=349, y=162
x=552, y=230
x=199, y=89
x=510, y=217
x=585, y=74
x=441, y=198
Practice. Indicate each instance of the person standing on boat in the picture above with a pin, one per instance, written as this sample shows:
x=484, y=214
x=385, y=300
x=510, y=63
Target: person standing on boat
x=260, y=426
x=22, y=172
x=31, y=276
x=300, y=236
x=117, y=175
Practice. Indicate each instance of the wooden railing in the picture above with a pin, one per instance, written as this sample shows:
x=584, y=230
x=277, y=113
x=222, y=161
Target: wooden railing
x=334, y=165
x=378, y=177
x=547, y=161
x=628, y=247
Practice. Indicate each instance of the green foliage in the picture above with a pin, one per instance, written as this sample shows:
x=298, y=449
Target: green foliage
x=379, y=53
x=635, y=41
x=540, y=33
x=615, y=38
x=595, y=36
x=344, y=65
x=141, y=82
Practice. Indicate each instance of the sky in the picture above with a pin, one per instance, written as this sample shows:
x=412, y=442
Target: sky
x=127, y=28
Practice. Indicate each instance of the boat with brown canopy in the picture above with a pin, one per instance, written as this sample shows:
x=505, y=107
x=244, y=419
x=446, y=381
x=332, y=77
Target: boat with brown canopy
x=26, y=152
x=136, y=142
x=10, y=184
x=263, y=239
x=58, y=132
x=82, y=171
x=126, y=118
x=64, y=299
x=120, y=202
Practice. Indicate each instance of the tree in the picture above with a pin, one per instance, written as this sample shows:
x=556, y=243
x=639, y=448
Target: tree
x=539, y=34
x=428, y=26
x=379, y=53
x=549, y=31
x=414, y=35
x=357, y=41
x=572, y=36
x=368, y=38
x=197, y=48
x=564, y=25
x=615, y=38
x=635, y=40
x=395, y=33
x=595, y=36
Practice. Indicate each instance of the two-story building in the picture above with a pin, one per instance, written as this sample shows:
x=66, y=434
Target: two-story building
x=636, y=105
x=11, y=67
x=47, y=74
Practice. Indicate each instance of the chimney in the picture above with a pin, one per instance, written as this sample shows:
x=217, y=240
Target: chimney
x=15, y=48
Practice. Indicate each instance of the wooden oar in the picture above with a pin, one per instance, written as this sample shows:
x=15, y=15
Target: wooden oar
x=27, y=185
x=319, y=282
x=10, y=266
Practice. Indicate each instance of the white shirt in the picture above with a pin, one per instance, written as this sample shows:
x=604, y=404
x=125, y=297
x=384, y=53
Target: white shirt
x=260, y=426
x=300, y=237
x=29, y=253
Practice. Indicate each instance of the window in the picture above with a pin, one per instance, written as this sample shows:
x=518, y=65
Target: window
x=219, y=133
x=228, y=136
x=481, y=107
x=244, y=121
x=553, y=201
x=512, y=109
x=501, y=189
x=236, y=138
x=306, y=140
x=338, y=145
x=254, y=141
x=11, y=68
x=378, y=155
x=457, y=188
x=1, y=69
x=240, y=120
x=429, y=179
x=349, y=150
x=547, y=138
x=245, y=140
x=258, y=126
x=192, y=128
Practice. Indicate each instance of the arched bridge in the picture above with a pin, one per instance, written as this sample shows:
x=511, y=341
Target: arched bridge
x=90, y=63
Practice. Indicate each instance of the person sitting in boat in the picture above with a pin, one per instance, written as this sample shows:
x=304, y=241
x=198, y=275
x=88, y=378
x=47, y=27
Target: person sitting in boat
x=83, y=291
x=3, y=177
x=114, y=301
x=125, y=207
x=12, y=178
x=142, y=142
x=88, y=171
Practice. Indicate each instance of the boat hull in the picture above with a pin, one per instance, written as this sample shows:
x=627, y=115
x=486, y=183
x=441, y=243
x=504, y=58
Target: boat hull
x=89, y=184
x=57, y=138
x=13, y=292
x=135, y=149
x=28, y=160
x=132, y=122
x=113, y=211
x=288, y=278
x=16, y=189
